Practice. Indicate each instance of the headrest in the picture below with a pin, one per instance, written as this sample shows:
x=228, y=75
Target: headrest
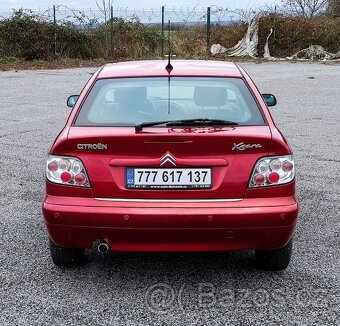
x=210, y=96
x=130, y=94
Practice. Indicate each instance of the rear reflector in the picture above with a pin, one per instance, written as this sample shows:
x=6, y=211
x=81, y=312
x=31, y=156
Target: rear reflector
x=259, y=179
x=52, y=166
x=287, y=166
x=80, y=179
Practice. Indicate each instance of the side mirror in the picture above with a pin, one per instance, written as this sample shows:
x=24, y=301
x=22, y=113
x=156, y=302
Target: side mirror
x=71, y=101
x=269, y=99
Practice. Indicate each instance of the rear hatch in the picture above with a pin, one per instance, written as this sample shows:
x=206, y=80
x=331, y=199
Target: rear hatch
x=108, y=153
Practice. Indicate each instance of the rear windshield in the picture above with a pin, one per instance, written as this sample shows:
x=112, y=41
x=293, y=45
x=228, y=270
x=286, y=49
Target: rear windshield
x=131, y=101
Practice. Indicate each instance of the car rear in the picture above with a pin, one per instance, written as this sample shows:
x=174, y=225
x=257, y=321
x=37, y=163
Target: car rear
x=171, y=186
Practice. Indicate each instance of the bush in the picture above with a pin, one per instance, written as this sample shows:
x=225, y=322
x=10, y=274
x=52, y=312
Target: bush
x=21, y=36
x=293, y=34
x=132, y=39
x=188, y=42
x=229, y=35
x=7, y=60
x=27, y=36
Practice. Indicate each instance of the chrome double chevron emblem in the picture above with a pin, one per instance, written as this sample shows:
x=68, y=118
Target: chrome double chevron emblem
x=168, y=158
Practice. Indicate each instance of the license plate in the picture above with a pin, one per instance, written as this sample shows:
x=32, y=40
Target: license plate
x=148, y=178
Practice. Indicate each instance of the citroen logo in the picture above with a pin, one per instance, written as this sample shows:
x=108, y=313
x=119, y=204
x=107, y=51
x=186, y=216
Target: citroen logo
x=168, y=158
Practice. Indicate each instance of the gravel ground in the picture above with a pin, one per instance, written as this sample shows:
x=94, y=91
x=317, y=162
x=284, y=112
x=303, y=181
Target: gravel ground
x=181, y=288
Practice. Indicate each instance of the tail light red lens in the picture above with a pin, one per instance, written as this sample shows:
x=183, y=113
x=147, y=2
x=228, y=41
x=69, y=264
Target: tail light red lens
x=66, y=170
x=66, y=177
x=273, y=177
x=274, y=170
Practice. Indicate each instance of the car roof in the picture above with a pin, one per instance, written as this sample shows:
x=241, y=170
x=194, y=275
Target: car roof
x=151, y=68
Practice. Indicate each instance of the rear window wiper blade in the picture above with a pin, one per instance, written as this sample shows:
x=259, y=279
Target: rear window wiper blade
x=201, y=122
x=187, y=122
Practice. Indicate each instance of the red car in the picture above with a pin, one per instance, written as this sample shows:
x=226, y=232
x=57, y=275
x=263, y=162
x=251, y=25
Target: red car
x=183, y=156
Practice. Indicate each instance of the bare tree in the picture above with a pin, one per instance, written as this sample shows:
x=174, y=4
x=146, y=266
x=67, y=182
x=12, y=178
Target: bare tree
x=104, y=7
x=307, y=8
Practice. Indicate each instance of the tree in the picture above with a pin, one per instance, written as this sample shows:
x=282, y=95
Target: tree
x=306, y=8
x=334, y=7
x=104, y=7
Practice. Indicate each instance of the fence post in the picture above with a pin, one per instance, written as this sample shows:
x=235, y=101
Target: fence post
x=55, y=30
x=112, y=33
x=208, y=28
x=162, y=31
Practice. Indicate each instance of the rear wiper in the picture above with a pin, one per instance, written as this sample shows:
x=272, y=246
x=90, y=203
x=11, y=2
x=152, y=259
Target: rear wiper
x=140, y=126
x=187, y=122
x=201, y=122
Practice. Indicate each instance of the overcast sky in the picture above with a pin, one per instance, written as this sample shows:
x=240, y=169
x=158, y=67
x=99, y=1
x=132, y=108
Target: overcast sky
x=36, y=4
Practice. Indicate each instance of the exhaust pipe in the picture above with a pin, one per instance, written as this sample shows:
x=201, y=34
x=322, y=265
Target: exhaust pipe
x=103, y=248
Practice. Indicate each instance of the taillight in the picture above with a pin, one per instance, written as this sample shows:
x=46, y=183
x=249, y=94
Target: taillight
x=274, y=170
x=66, y=170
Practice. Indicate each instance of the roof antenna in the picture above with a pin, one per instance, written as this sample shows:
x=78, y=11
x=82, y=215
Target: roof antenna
x=169, y=66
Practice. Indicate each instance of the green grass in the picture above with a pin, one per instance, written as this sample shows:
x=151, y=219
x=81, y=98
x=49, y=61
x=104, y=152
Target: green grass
x=9, y=60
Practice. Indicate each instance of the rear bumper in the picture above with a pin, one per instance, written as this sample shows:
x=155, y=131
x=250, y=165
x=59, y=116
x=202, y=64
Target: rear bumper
x=255, y=223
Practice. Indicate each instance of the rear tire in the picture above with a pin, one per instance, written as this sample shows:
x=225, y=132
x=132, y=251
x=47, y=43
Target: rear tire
x=274, y=259
x=67, y=257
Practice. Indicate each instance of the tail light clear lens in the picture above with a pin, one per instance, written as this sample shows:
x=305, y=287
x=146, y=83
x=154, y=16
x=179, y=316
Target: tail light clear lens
x=66, y=170
x=274, y=170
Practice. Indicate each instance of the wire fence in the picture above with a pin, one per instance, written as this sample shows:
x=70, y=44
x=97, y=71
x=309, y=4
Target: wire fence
x=122, y=32
x=63, y=14
x=180, y=18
